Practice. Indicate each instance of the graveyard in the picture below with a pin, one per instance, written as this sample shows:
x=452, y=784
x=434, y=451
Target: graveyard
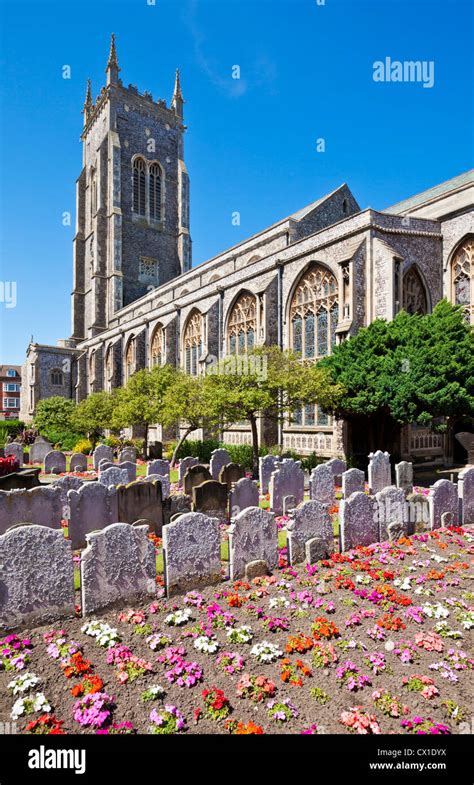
x=141, y=598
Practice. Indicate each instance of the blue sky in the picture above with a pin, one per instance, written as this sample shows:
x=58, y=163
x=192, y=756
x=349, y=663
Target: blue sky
x=306, y=74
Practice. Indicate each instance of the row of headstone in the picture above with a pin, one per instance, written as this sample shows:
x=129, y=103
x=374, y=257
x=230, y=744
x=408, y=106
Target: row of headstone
x=128, y=466
x=286, y=482
x=39, y=450
x=219, y=459
x=54, y=462
x=184, y=465
x=102, y=452
x=42, y=505
x=159, y=466
x=78, y=462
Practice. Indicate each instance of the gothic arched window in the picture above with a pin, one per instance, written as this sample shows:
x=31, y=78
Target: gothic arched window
x=130, y=358
x=414, y=294
x=193, y=343
x=57, y=378
x=139, y=186
x=109, y=368
x=157, y=344
x=154, y=189
x=242, y=325
x=314, y=313
x=93, y=182
x=462, y=275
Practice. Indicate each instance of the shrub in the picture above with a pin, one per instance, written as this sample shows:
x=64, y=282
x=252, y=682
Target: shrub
x=84, y=446
x=310, y=461
x=195, y=448
x=112, y=441
x=10, y=428
x=62, y=440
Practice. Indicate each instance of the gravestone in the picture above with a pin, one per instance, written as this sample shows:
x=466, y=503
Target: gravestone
x=13, y=448
x=289, y=503
x=287, y=480
x=211, y=498
x=42, y=506
x=316, y=550
x=159, y=467
x=358, y=521
x=155, y=450
x=321, y=484
x=55, y=462
x=184, y=465
x=194, y=476
x=113, y=476
x=219, y=459
x=94, y=506
x=177, y=504
x=100, y=452
x=404, y=476
x=21, y=480
x=379, y=471
x=105, y=464
x=65, y=484
x=37, y=582
x=392, y=509
x=244, y=494
x=161, y=478
x=353, y=480
x=418, y=513
x=117, y=567
x=191, y=553
x=78, y=462
x=131, y=468
x=230, y=474
x=253, y=536
x=443, y=497
x=338, y=467
x=39, y=450
x=141, y=501
x=255, y=569
x=466, y=495
x=266, y=466
x=310, y=520
x=128, y=454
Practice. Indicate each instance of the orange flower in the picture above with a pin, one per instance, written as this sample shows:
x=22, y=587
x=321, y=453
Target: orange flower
x=299, y=643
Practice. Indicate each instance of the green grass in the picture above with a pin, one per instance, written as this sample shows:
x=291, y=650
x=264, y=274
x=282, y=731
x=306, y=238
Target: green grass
x=77, y=578
x=174, y=475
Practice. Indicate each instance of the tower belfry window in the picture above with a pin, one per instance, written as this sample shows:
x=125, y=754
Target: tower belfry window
x=155, y=191
x=139, y=187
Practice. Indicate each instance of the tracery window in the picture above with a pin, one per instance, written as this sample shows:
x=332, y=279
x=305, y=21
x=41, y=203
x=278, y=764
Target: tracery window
x=157, y=344
x=414, y=294
x=242, y=325
x=130, y=358
x=139, y=186
x=154, y=186
x=193, y=343
x=462, y=275
x=57, y=378
x=109, y=368
x=314, y=313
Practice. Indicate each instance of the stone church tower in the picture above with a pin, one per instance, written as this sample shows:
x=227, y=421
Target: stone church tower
x=132, y=217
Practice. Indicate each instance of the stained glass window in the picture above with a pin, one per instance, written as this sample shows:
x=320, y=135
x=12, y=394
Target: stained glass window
x=193, y=341
x=298, y=417
x=462, y=274
x=322, y=417
x=322, y=320
x=157, y=346
x=242, y=324
x=334, y=321
x=317, y=293
x=309, y=335
x=297, y=334
x=309, y=414
x=414, y=295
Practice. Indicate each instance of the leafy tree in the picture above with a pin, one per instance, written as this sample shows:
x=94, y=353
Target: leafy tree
x=94, y=414
x=267, y=382
x=54, y=415
x=412, y=369
x=140, y=402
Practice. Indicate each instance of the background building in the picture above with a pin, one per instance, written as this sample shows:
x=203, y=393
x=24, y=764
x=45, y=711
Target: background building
x=10, y=388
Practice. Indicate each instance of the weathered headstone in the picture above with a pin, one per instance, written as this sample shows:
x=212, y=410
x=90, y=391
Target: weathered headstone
x=404, y=476
x=211, y=498
x=161, y=478
x=230, y=474
x=94, y=506
x=219, y=459
x=155, y=450
x=159, y=466
x=113, y=476
x=78, y=462
x=321, y=484
x=418, y=512
x=55, y=462
x=353, y=480
x=253, y=536
x=184, y=465
x=194, y=476
x=338, y=467
x=128, y=454
x=117, y=566
x=191, y=553
x=309, y=520
x=41, y=505
x=443, y=497
x=315, y=550
x=13, y=448
x=100, y=452
x=379, y=472
x=255, y=569
x=105, y=464
x=37, y=579
x=177, y=504
x=131, y=468
x=358, y=521
x=287, y=480
x=392, y=509
x=289, y=503
x=266, y=466
x=66, y=484
x=141, y=501
x=466, y=495
x=244, y=494
x=39, y=450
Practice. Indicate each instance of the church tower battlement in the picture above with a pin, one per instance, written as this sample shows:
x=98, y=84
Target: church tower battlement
x=132, y=198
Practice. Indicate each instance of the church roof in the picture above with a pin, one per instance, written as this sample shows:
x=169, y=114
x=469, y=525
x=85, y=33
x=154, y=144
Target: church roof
x=461, y=180
x=310, y=207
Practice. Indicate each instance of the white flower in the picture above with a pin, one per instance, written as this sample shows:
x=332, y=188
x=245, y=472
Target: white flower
x=279, y=602
x=37, y=703
x=104, y=634
x=241, y=634
x=179, y=617
x=435, y=611
x=266, y=652
x=23, y=683
x=205, y=644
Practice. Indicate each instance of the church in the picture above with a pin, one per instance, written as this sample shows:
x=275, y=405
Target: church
x=307, y=282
